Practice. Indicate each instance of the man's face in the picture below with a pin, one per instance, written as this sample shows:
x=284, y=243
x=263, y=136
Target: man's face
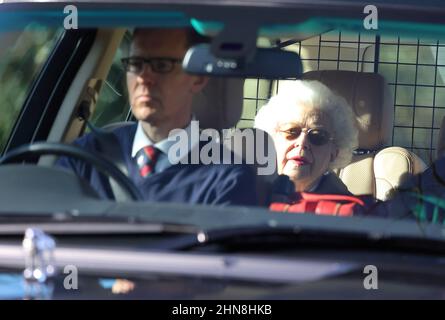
x=300, y=159
x=162, y=98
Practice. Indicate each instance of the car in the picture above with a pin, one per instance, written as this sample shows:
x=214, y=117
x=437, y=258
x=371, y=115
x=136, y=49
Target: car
x=61, y=77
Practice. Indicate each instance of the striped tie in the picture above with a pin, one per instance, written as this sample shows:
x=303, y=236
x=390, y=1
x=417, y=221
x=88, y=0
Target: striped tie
x=146, y=160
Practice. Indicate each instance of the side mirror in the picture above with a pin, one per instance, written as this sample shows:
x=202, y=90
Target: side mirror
x=267, y=63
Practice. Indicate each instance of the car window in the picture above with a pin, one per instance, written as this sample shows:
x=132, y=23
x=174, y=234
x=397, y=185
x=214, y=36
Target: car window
x=22, y=57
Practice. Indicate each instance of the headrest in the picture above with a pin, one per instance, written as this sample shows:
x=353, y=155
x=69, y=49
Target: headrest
x=369, y=96
x=393, y=166
x=220, y=104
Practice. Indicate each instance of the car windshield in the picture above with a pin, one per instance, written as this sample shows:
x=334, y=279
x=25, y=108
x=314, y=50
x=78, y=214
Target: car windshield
x=85, y=86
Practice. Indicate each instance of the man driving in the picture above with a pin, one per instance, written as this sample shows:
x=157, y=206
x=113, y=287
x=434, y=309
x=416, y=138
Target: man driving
x=160, y=95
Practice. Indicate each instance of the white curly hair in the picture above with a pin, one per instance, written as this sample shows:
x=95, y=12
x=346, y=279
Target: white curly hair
x=284, y=107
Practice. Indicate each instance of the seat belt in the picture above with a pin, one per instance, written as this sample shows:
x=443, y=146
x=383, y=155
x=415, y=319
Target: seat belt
x=109, y=146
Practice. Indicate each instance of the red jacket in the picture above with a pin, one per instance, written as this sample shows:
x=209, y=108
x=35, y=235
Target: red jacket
x=325, y=204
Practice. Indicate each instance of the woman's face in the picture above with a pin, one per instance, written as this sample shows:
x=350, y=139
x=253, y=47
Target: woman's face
x=305, y=147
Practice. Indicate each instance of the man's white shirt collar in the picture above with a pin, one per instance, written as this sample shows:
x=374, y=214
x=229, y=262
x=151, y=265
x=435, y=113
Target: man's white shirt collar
x=141, y=140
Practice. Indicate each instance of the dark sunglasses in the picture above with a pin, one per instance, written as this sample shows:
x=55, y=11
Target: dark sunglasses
x=317, y=137
x=158, y=65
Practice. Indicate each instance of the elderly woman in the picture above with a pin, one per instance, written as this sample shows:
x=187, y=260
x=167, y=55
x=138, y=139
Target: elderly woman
x=314, y=132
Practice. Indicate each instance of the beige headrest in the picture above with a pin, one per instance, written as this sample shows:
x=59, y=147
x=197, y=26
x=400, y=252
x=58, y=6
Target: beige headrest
x=369, y=96
x=440, y=152
x=220, y=104
x=392, y=166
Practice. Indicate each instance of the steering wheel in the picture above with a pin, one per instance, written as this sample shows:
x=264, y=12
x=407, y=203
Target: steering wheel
x=102, y=164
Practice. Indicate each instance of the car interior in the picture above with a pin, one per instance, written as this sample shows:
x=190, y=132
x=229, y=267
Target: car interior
x=385, y=165
x=385, y=157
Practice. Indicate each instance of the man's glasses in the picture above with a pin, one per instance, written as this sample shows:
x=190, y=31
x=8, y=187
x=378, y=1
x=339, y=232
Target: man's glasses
x=158, y=65
x=317, y=137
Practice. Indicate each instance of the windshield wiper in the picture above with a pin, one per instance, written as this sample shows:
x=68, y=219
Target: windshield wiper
x=265, y=238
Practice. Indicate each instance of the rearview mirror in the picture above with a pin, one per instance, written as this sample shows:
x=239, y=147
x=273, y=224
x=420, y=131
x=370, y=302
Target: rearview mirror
x=267, y=63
